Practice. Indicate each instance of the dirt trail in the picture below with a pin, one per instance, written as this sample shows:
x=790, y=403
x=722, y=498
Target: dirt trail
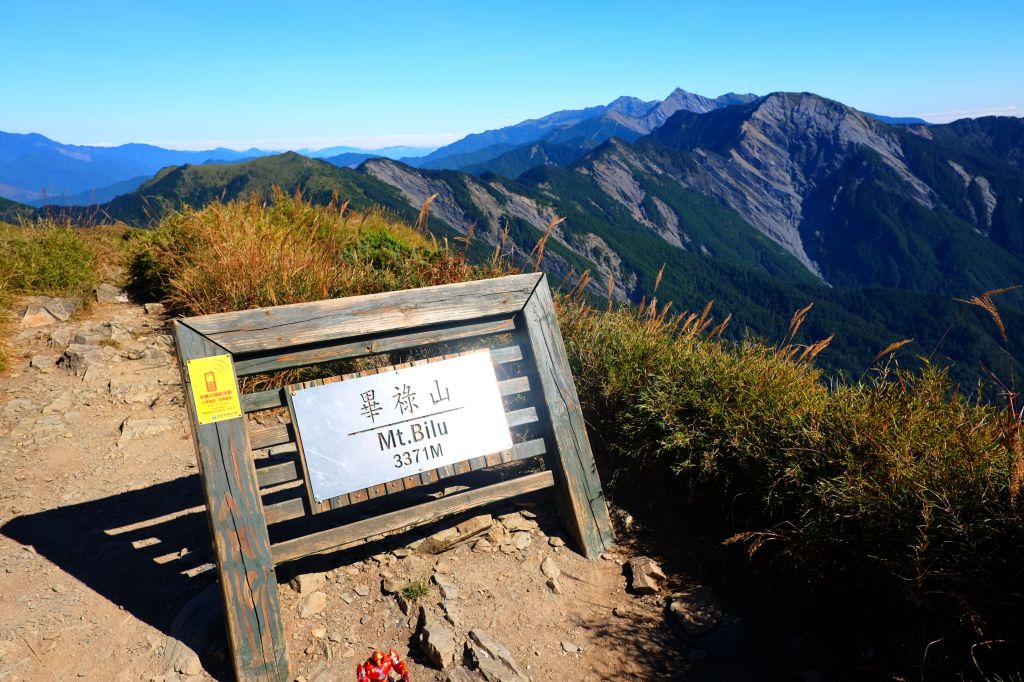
x=104, y=543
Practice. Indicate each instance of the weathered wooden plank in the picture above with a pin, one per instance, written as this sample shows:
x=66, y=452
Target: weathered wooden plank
x=269, y=329
x=270, y=435
x=354, y=533
x=238, y=528
x=331, y=352
x=579, y=486
x=262, y=400
x=527, y=415
x=285, y=510
x=513, y=386
x=275, y=474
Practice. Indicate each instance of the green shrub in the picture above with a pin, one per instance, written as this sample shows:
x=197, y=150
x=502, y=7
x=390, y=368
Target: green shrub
x=897, y=489
x=47, y=259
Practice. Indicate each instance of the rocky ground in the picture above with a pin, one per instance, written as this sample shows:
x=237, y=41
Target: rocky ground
x=105, y=569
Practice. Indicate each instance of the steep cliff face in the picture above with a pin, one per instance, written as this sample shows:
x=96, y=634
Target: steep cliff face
x=765, y=158
x=490, y=207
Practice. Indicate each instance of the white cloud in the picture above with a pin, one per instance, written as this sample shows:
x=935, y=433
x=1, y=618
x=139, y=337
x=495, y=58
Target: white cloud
x=369, y=142
x=953, y=115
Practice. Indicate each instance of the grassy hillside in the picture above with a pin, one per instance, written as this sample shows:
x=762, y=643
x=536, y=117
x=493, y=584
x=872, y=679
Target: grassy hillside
x=13, y=212
x=179, y=186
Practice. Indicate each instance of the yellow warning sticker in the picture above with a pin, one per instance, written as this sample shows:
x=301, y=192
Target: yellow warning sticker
x=214, y=389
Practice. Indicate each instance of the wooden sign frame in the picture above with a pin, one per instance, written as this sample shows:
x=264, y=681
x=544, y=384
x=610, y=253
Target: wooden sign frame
x=266, y=340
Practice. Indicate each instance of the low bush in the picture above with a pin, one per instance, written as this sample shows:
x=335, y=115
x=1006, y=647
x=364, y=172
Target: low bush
x=46, y=258
x=252, y=253
x=896, y=491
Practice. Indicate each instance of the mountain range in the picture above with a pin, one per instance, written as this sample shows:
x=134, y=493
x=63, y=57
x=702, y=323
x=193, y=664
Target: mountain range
x=762, y=204
x=37, y=171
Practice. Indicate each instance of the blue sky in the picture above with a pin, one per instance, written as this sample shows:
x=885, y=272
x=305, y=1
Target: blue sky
x=290, y=75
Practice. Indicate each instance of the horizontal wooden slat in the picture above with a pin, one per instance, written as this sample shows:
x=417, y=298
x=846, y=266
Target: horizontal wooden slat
x=270, y=329
x=352, y=349
x=284, y=511
x=267, y=436
x=513, y=386
x=342, y=536
x=277, y=473
x=527, y=415
x=294, y=508
x=263, y=400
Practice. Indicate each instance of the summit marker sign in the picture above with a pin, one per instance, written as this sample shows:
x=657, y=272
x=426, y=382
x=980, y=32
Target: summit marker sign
x=361, y=432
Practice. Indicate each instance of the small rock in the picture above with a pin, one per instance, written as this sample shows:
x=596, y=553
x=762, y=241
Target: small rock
x=443, y=566
x=446, y=585
x=522, y=540
x=134, y=427
x=392, y=585
x=361, y=590
x=438, y=644
x=44, y=310
x=108, y=293
x=645, y=575
x=483, y=545
x=556, y=541
x=450, y=537
x=402, y=552
x=440, y=541
x=318, y=633
x=347, y=598
x=154, y=308
x=475, y=525
x=43, y=361
x=549, y=568
x=554, y=586
x=622, y=612
x=413, y=565
x=452, y=613
x=493, y=660
x=516, y=522
x=312, y=604
x=61, y=337
x=459, y=674
x=571, y=647
x=79, y=357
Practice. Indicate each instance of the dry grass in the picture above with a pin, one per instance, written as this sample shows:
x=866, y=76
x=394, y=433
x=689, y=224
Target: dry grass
x=895, y=490
x=247, y=254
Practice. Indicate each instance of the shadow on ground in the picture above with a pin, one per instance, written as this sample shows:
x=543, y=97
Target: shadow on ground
x=145, y=550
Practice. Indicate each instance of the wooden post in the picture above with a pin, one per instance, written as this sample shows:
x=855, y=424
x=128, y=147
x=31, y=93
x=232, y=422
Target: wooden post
x=579, y=486
x=238, y=530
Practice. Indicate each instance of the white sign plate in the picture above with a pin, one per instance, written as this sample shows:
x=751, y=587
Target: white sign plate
x=370, y=430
